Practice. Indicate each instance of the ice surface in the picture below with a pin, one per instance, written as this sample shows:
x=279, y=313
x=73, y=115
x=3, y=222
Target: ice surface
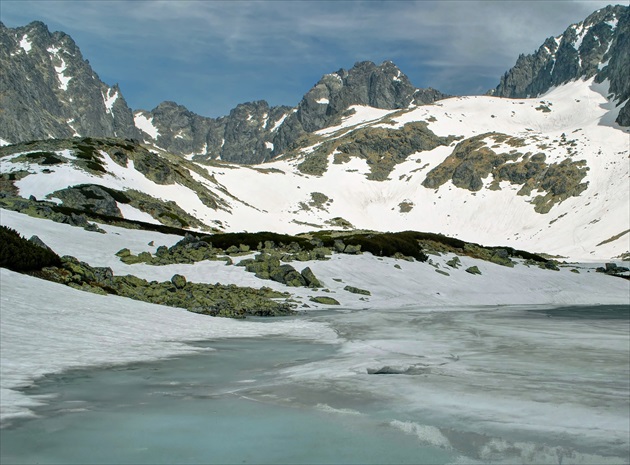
x=510, y=381
x=517, y=374
x=57, y=328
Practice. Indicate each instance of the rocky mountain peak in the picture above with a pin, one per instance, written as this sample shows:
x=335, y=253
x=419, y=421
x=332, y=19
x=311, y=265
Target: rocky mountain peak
x=46, y=73
x=598, y=46
x=380, y=86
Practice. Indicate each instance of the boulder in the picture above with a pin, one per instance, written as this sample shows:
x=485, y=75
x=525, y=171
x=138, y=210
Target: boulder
x=454, y=262
x=356, y=290
x=179, y=281
x=310, y=278
x=352, y=249
x=324, y=300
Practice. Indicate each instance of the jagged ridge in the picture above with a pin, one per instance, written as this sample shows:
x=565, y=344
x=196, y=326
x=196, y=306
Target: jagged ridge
x=598, y=46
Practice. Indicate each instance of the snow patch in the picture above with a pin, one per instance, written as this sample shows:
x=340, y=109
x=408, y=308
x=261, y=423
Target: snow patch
x=580, y=31
x=146, y=125
x=4, y=142
x=69, y=122
x=322, y=101
x=279, y=122
x=26, y=44
x=613, y=23
x=109, y=99
x=269, y=145
x=63, y=79
x=84, y=329
x=132, y=213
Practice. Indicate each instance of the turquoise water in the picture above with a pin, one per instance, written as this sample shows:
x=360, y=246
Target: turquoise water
x=213, y=407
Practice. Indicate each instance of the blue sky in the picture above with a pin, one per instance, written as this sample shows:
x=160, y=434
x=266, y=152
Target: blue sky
x=212, y=55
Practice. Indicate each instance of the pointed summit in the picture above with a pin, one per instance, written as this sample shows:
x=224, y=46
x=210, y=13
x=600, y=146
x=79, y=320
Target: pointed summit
x=383, y=86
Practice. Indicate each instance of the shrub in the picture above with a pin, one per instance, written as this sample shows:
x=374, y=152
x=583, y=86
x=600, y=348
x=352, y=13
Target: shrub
x=47, y=158
x=19, y=254
x=381, y=244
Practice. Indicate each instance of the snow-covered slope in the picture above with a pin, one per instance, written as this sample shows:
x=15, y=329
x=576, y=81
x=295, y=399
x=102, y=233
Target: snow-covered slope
x=85, y=329
x=571, y=124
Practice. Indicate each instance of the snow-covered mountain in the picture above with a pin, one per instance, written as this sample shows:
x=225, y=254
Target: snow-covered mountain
x=50, y=91
x=365, y=149
x=599, y=46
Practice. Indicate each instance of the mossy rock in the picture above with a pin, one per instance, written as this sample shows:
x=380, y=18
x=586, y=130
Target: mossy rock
x=473, y=270
x=123, y=253
x=310, y=278
x=324, y=300
x=179, y=281
x=356, y=290
x=454, y=262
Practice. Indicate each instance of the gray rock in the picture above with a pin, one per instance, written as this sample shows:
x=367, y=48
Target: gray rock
x=38, y=242
x=382, y=86
x=339, y=245
x=454, y=262
x=90, y=198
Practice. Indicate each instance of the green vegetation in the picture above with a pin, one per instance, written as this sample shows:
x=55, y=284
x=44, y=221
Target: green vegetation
x=19, y=254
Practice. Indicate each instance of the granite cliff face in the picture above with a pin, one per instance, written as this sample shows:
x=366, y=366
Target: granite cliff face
x=48, y=90
x=599, y=46
x=243, y=136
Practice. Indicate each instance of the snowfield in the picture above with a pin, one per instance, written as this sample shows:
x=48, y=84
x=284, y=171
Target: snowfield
x=47, y=328
x=574, y=121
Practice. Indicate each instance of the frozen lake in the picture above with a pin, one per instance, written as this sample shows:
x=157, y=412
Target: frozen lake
x=460, y=385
